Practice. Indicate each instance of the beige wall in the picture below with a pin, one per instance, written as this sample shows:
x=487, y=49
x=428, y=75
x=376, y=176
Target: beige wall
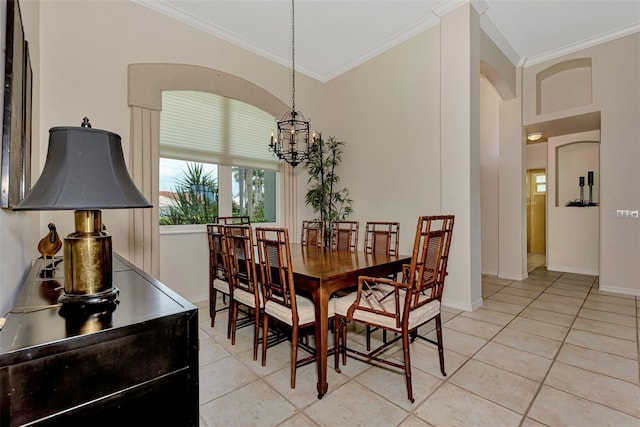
x=489, y=171
x=616, y=93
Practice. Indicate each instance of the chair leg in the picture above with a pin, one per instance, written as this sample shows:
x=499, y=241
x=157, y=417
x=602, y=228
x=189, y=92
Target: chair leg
x=336, y=345
x=256, y=333
x=440, y=346
x=294, y=354
x=368, y=338
x=212, y=304
x=234, y=318
x=343, y=333
x=229, y=315
x=265, y=332
x=407, y=366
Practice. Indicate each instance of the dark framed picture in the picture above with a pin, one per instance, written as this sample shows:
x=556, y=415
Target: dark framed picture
x=15, y=157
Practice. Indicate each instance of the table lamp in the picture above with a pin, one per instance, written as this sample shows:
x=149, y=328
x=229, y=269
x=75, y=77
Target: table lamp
x=85, y=172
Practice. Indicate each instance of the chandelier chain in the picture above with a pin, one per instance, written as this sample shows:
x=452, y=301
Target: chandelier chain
x=293, y=56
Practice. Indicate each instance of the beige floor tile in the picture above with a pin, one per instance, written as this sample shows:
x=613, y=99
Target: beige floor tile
x=532, y=283
x=391, y=384
x=521, y=292
x=459, y=342
x=575, y=282
x=528, y=422
x=511, y=299
x=504, y=307
x=574, y=293
x=306, y=390
x=515, y=361
x=537, y=327
x=413, y=421
x=610, y=345
x=543, y=273
x=535, y=344
x=210, y=351
x=499, y=386
x=424, y=356
x=558, y=307
x=548, y=316
x=278, y=357
x=453, y=406
x=613, y=393
x=474, y=327
x=253, y=404
x=605, y=316
x=489, y=316
x=556, y=408
x=488, y=290
x=496, y=280
x=298, y=420
x=612, y=299
x=355, y=405
x=602, y=328
x=222, y=376
x=597, y=361
x=612, y=308
x=546, y=296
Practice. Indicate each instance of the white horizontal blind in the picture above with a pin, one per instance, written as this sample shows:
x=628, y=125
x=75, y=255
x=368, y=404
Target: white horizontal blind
x=204, y=127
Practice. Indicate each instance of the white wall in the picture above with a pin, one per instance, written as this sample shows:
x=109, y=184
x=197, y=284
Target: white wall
x=536, y=156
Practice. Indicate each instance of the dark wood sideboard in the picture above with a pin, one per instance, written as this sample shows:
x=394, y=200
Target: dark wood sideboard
x=136, y=365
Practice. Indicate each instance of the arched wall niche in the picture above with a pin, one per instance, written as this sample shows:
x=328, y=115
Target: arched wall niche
x=574, y=161
x=564, y=85
x=145, y=85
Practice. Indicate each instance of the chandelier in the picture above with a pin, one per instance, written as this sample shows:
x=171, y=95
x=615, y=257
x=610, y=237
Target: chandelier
x=291, y=142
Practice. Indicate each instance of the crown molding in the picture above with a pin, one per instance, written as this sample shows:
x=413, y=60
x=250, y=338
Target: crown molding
x=584, y=44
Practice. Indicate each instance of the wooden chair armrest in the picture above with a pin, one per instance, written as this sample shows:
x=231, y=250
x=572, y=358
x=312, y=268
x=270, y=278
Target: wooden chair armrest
x=375, y=291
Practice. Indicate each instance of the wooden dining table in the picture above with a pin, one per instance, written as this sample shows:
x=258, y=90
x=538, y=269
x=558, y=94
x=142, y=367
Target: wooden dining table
x=320, y=272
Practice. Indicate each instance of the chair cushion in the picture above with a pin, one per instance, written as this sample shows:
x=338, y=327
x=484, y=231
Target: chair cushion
x=306, y=311
x=416, y=318
x=246, y=298
x=221, y=286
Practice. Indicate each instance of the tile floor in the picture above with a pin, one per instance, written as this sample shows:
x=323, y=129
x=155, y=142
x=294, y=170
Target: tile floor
x=549, y=350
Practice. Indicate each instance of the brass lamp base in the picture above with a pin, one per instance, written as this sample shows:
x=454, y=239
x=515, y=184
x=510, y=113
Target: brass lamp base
x=88, y=269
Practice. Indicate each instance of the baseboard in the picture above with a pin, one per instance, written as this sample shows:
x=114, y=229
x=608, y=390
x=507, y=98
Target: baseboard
x=619, y=290
x=490, y=272
x=461, y=305
x=513, y=276
x=572, y=270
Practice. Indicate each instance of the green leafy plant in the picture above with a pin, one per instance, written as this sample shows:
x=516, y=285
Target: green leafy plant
x=323, y=194
x=195, y=200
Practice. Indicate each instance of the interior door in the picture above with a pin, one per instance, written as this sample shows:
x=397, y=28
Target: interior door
x=536, y=211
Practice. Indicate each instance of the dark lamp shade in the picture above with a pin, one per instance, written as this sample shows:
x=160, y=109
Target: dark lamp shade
x=84, y=170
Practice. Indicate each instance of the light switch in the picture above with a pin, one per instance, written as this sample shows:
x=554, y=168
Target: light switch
x=626, y=213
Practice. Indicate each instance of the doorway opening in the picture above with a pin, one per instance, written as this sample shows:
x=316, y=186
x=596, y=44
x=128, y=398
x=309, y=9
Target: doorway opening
x=536, y=218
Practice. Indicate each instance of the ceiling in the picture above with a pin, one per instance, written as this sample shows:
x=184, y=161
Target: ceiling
x=334, y=36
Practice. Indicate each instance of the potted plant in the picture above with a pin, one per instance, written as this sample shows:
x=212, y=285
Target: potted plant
x=323, y=194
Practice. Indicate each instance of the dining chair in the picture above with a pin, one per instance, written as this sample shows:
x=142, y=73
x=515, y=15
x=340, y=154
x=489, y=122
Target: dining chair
x=281, y=303
x=401, y=307
x=229, y=220
x=381, y=237
x=218, y=272
x=312, y=233
x=244, y=286
x=344, y=235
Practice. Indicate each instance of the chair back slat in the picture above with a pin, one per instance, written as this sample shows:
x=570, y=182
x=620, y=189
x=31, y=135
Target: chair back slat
x=344, y=235
x=275, y=267
x=217, y=252
x=229, y=220
x=429, y=259
x=241, y=256
x=312, y=233
x=382, y=237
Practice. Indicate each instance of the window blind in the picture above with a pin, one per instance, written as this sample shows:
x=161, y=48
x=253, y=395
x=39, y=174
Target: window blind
x=205, y=127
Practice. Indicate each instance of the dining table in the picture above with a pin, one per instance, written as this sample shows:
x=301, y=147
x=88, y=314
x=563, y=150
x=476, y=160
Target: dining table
x=320, y=272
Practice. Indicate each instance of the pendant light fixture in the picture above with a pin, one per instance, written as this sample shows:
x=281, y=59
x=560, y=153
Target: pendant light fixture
x=291, y=142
